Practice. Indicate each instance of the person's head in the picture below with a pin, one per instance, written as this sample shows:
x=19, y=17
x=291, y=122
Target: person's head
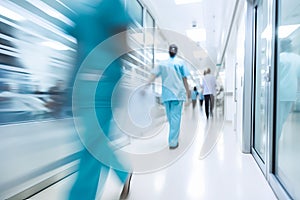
x=208, y=71
x=195, y=88
x=173, y=50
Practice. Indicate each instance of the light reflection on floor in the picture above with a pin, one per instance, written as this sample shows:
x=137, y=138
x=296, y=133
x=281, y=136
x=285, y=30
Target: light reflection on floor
x=224, y=172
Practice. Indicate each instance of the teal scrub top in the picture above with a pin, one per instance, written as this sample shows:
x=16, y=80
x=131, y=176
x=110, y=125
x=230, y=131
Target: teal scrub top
x=172, y=72
x=194, y=95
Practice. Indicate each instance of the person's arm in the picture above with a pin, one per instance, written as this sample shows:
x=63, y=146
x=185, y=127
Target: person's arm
x=201, y=83
x=152, y=78
x=154, y=74
x=185, y=73
x=186, y=85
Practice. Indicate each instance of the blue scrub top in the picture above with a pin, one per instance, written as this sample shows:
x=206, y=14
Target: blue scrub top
x=194, y=95
x=172, y=71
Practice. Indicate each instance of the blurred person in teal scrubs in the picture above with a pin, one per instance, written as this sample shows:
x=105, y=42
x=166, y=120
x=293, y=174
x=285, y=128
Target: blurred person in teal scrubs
x=95, y=23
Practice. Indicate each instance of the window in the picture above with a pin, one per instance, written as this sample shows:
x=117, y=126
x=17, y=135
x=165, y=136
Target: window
x=36, y=58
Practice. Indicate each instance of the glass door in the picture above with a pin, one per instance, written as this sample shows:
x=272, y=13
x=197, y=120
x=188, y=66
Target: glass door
x=287, y=140
x=262, y=83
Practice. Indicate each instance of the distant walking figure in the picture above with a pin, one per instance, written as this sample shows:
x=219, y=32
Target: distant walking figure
x=194, y=95
x=209, y=90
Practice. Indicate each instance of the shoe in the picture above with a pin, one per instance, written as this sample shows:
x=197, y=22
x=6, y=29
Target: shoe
x=126, y=188
x=174, y=147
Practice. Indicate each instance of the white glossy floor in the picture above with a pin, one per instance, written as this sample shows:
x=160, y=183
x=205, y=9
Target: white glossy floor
x=213, y=168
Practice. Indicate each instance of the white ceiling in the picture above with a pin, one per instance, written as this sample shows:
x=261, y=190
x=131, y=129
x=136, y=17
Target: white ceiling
x=212, y=15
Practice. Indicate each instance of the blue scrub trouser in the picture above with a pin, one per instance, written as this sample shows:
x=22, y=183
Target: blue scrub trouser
x=173, y=109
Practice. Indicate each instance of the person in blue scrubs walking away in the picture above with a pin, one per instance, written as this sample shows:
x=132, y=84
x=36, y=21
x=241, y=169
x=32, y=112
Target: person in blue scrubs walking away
x=175, y=90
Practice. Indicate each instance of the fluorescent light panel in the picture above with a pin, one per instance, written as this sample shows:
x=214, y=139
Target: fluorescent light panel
x=196, y=34
x=283, y=31
x=180, y=2
x=286, y=30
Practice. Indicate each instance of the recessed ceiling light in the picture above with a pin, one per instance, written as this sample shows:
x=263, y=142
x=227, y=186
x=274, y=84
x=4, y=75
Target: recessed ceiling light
x=179, y=2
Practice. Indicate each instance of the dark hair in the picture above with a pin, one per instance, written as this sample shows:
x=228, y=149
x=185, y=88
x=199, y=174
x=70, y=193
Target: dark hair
x=173, y=50
x=173, y=46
